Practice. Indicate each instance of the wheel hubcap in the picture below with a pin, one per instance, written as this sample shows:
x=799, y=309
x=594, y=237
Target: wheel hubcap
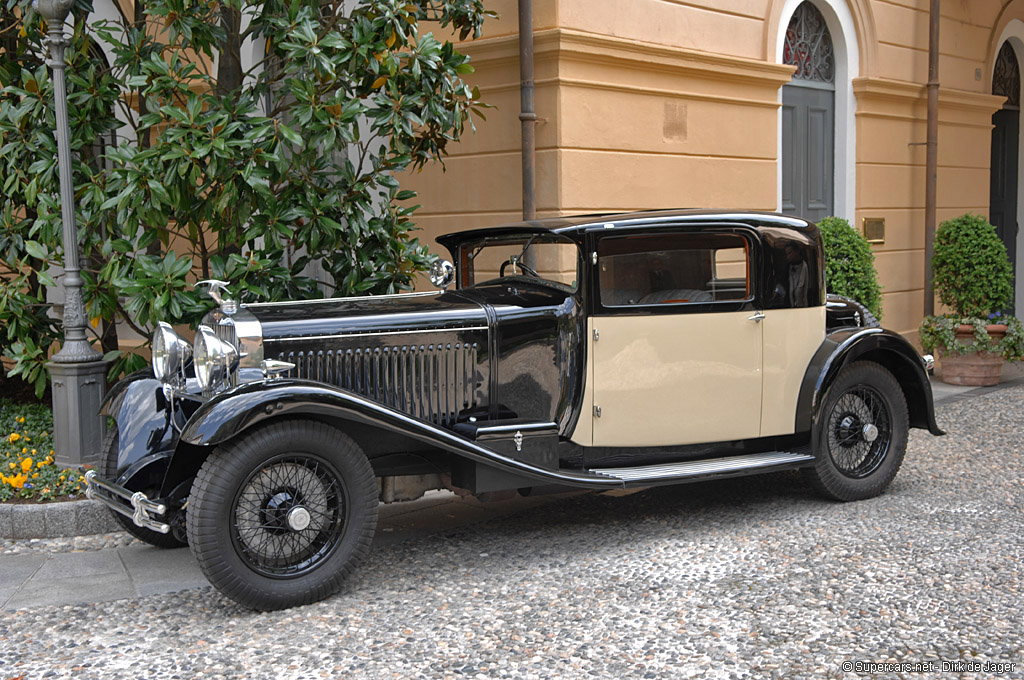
x=870, y=433
x=298, y=518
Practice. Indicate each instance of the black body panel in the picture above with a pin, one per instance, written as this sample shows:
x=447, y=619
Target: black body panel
x=537, y=334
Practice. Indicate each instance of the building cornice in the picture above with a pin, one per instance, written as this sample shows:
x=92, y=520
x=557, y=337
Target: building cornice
x=570, y=44
x=867, y=89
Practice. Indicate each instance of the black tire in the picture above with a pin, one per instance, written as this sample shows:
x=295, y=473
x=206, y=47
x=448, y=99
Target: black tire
x=860, y=437
x=282, y=515
x=108, y=468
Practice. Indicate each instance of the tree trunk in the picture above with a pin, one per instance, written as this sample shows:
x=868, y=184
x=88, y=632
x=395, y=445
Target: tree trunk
x=229, y=65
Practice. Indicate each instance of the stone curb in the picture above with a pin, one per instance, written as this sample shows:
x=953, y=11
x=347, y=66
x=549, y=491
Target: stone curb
x=55, y=520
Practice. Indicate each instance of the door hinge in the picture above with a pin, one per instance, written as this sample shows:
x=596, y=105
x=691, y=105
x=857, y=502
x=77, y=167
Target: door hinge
x=597, y=411
x=597, y=335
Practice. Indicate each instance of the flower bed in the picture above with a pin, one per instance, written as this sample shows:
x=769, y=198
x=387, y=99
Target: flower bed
x=27, y=469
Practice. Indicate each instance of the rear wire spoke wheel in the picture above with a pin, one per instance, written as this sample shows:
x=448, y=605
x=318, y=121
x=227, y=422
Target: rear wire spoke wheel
x=860, y=436
x=280, y=516
x=108, y=468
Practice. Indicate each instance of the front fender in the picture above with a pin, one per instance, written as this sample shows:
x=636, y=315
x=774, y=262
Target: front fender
x=143, y=416
x=242, y=408
x=887, y=348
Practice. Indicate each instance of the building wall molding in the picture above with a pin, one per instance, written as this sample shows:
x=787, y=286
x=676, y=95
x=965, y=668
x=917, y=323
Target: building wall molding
x=594, y=48
x=911, y=94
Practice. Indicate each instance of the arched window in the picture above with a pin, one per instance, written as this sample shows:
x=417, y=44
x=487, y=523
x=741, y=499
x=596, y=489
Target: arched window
x=808, y=46
x=1006, y=79
x=808, y=117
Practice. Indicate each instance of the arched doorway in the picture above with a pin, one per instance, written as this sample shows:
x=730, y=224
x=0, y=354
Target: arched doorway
x=808, y=117
x=1005, y=149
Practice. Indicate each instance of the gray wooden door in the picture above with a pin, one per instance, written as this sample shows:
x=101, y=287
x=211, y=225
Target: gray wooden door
x=808, y=151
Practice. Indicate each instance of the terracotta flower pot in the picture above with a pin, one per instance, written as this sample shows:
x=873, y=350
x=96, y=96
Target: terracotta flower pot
x=979, y=369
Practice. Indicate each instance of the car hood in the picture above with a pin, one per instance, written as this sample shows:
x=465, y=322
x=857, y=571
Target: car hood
x=337, y=317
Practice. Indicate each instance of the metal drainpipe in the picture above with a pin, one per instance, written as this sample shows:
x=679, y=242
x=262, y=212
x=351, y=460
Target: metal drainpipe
x=527, y=116
x=932, y=162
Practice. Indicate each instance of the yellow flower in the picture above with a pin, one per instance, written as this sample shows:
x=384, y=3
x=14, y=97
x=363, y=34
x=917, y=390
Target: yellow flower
x=14, y=437
x=21, y=420
x=17, y=481
x=33, y=452
x=24, y=449
x=11, y=465
x=26, y=465
x=42, y=434
x=61, y=479
x=46, y=489
x=35, y=475
x=40, y=463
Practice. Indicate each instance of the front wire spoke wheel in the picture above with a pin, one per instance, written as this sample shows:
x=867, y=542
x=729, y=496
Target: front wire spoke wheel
x=279, y=516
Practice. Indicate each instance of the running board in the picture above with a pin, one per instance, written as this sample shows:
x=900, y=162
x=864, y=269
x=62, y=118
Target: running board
x=730, y=465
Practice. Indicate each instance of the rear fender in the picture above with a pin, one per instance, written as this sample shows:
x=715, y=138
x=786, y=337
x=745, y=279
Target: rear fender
x=884, y=347
x=232, y=413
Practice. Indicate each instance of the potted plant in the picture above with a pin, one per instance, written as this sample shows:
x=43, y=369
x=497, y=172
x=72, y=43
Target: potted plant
x=972, y=274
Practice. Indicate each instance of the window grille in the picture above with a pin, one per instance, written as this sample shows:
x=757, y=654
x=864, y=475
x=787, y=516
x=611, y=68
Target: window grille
x=808, y=46
x=1006, y=79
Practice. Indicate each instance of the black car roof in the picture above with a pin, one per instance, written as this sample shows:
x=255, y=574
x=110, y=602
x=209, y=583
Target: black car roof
x=574, y=226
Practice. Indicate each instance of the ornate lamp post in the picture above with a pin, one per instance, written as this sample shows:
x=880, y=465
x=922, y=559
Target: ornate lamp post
x=78, y=370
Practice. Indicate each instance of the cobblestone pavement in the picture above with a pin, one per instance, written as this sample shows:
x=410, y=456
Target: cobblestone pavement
x=754, y=577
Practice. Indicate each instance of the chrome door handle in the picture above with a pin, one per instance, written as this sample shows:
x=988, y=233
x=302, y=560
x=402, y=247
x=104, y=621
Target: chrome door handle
x=758, y=317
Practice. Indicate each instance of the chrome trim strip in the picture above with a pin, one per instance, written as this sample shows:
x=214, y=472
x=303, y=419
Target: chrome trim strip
x=291, y=338
x=340, y=299
x=711, y=466
x=96, y=489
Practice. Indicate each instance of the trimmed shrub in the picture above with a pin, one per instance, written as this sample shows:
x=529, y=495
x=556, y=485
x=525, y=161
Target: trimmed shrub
x=971, y=271
x=850, y=264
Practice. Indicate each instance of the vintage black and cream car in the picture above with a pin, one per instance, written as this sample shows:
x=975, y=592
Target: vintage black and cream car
x=595, y=352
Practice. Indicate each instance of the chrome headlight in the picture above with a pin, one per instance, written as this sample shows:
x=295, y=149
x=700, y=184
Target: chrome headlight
x=170, y=352
x=214, y=359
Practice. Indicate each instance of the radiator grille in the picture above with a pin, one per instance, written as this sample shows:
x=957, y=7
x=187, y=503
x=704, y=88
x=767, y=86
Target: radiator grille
x=433, y=382
x=222, y=325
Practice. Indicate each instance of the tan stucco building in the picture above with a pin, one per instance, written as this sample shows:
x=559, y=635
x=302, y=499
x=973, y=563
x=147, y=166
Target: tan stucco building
x=690, y=103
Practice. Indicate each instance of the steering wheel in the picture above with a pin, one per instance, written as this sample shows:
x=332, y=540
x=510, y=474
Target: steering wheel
x=514, y=261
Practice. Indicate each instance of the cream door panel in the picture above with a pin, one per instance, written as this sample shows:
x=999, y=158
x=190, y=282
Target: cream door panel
x=791, y=337
x=676, y=378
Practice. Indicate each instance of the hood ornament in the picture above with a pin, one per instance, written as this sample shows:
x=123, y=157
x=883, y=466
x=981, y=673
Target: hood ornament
x=227, y=305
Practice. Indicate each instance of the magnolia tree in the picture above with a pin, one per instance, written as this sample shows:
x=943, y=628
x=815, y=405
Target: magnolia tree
x=191, y=163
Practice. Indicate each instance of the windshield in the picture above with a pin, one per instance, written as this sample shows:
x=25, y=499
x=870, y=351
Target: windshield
x=541, y=258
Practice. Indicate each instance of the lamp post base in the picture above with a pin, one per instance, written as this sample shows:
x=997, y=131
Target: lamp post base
x=78, y=427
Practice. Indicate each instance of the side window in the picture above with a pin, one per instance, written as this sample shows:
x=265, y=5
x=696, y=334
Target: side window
x=664, y=269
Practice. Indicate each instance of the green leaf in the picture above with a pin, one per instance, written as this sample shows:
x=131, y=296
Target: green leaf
x=289, y=134
x=36, y=250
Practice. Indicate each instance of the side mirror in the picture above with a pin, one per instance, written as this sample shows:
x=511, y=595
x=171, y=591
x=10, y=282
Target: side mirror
x=442, y=273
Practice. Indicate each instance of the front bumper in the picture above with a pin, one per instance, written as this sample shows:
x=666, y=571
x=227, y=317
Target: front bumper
x=133, y=504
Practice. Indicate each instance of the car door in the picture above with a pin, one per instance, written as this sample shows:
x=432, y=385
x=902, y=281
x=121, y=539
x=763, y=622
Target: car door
x=676, y=339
